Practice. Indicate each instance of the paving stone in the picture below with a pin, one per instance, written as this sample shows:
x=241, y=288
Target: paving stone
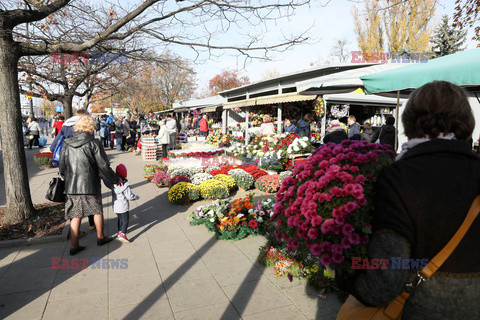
x=224, y=311
x=191, y=294
x=255, y=296
x=19, y=280
x=284, y=313
x=135, y=290
x=24, y=305
x=158, y=309
x=93, y=306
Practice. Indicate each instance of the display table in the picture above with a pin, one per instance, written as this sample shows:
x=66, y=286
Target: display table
x=294, y=157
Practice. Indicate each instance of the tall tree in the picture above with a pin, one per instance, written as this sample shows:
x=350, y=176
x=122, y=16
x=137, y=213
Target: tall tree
x=339, y=52
x=369, y=27
x=447, y=39
x=227, y=79
x=166, y=22
x=405, y=25
x=467, y=14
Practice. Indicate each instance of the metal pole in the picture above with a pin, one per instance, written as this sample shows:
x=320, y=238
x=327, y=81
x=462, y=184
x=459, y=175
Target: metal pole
x=396, y=119
x=246, y=127
x=279, y=116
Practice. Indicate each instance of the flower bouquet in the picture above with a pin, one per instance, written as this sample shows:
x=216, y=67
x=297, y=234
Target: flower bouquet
x=319, y=107
x=243, y=179
x=300, y=146
x=161, y=179
x=43, y=159
x=183, y=192
x=229, y=220
x=268, y=183
x=324, y=207
x=213, y=189
x=174, y=180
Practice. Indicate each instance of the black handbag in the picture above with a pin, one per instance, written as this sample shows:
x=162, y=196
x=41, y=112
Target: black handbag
x=56, y=190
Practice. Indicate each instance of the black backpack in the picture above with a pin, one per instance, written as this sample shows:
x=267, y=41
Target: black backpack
x=111, y=126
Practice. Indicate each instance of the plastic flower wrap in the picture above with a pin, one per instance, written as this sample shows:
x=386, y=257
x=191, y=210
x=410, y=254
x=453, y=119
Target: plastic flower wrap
x=229, y=181
x=161, y=178
x=213, y=189
x=181, y=192
x=268, y=183
x=198, y=178
x=243, y=179
x=178, y=179
x=283, y=175
x=324, y=207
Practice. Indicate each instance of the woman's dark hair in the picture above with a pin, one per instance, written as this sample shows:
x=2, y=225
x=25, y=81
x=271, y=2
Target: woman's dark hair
x=60, y=118
x=308, y=118
x=390, y=121
x=438, y=107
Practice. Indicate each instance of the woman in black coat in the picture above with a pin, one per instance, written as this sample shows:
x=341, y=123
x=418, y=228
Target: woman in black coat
x=421, y=201
x=81, y=162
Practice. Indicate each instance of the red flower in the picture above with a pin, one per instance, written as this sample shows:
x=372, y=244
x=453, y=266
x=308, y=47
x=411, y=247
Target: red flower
x=252, y=224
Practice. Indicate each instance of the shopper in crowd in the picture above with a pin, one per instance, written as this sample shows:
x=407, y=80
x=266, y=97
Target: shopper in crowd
x=267, y=127
x=143, y=125
x=303, y=126
x=121, y=195
x=151, y=115
x=163, y=138
x=386, y=133
x=420, y=202
x=57, y=125
x=103, y=132
x=34, y=132
x=133, y=128
x=67, y=129
x=289, y=127
x=126, y=133
x=353, y=128
x=335, y=133
x=119, y=133
x=367, y=133
x=171, y=125
x=111, y=129
x=203, y=124
x=81, y=162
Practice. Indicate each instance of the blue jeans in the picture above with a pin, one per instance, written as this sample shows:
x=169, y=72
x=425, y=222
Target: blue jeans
x=122, y=222
x=119, y=143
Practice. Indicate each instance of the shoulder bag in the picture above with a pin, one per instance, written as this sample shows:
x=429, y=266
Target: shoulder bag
x=56, y=190
x=354, y=309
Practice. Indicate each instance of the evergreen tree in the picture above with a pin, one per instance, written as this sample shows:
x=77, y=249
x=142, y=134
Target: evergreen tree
x=447, y=39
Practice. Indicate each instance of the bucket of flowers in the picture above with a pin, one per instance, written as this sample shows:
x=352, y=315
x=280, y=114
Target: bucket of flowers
x=183, y=193
x=161, y=179
x=43, y=159
x=268, y=183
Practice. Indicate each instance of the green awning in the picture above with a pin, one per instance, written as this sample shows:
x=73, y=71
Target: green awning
x=461, y=68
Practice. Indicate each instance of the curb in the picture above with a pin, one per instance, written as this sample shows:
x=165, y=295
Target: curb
x=31, y=241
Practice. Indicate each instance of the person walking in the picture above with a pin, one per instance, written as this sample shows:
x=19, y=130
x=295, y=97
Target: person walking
x=126, y=133
x=111, y=129
x=119, y=133
x=81, y=162
x=57, y=125
x=420, y=202
x=103, y=132
x=163, y=138
x=386, y=133
x=34, y=131
x=121, y=195
x=171, y=125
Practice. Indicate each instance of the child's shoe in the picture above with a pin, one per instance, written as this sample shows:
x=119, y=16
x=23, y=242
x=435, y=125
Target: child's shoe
x=123, y=237
x=91, y=228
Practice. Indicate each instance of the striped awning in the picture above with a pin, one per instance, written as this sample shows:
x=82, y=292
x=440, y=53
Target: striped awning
x=273, y=99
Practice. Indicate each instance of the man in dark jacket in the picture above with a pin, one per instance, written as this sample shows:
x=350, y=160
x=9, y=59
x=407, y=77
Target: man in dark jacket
x=303, y=126
x=386, y=133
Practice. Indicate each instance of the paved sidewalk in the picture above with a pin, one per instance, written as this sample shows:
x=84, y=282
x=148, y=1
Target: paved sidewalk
x=175, y=271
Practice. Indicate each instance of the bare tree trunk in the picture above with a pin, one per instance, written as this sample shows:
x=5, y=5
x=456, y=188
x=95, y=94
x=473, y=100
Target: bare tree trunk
x=68, y=105
x=19, y=201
